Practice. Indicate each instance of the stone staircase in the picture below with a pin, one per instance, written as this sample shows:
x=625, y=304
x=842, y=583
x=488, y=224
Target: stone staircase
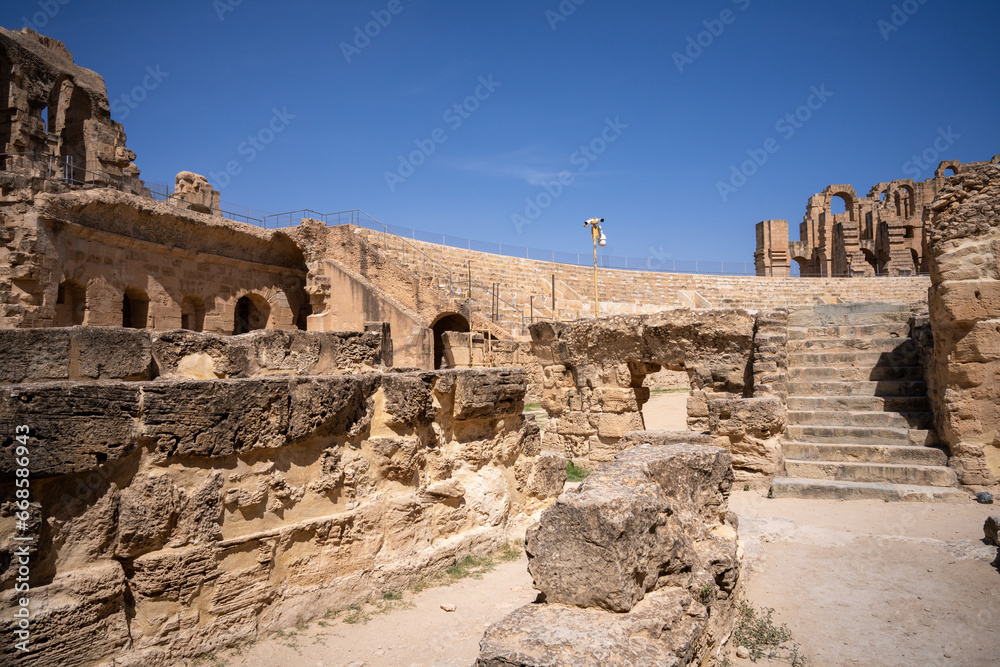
x=859, y=421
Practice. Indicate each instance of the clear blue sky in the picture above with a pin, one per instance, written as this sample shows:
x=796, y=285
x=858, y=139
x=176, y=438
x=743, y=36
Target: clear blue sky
x=558, y=80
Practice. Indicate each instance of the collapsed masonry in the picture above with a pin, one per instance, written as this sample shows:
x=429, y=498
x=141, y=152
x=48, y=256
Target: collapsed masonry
x=885, y=233
x=638, y=566
x=175, y=515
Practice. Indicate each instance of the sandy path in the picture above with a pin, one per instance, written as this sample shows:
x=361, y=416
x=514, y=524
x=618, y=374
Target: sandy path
x=666, y=411
x=875, y=583
x=423, y=635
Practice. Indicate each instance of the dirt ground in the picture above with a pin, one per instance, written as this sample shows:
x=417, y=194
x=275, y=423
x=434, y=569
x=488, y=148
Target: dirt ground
x=857, y=583
x=873, y=583
x=666, y=411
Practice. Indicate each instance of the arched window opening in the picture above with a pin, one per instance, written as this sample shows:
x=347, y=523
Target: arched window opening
x=302, y=319
x=135, y=309
x=838, y=204
x=251, y=314
x=910, y=232
x=71, y=304
x=950, y=171
x=74, y=145
x=192, y=314
x=799, y=267
x=446, y=322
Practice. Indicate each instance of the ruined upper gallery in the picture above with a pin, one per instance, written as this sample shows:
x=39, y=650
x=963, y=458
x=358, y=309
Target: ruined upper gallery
x=55, y=111
x=881, y=234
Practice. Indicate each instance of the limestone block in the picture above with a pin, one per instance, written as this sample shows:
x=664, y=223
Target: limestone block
x=494, y=393
x=31, y=355
x=612, y=425
x=407, y=400
x=662, y=438
x=606, y=544
x=969, y=301
x=737, y=418
x=75, y=427
x=542, y=477
x=657, y=631
x=112, y=353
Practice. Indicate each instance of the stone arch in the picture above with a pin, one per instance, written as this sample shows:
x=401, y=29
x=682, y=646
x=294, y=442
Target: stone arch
x=841, y=203
x=71, y=304
x=193, y=313
x=947, y=168
x=800, y=267
x=71, y=116
x=135, y=308
x=446, y=322
x=252, y=313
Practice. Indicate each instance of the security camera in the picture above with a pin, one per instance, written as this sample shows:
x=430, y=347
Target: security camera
x=603, y=241
x=594, y=221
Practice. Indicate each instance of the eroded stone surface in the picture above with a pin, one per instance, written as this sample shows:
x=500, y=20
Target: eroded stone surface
x=637, y=566
x=964, y=246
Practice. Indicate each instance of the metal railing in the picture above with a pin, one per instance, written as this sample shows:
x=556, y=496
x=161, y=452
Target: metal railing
x=360, y=218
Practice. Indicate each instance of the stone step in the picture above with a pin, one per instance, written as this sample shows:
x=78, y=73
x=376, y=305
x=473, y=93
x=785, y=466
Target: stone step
x=883, y=331
x=809, y=451
x=853, y=358
x=848, y=344
x=853, y=435
x=860, y=403
x=888, y=388
x=823, y=489
x=869, y=419
x=807, y=320
x=863, y=471
x=856, y=373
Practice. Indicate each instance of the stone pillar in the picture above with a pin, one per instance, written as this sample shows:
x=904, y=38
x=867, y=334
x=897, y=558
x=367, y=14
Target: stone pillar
x=771, y=257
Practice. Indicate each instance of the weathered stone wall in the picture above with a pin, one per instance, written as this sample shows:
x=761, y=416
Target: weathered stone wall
x=638, y=566
x=964, y=244
x=37, y=74
x=633, y=292
x=114, y=353
x=498, y=353
x=74, y=257
x=593, y=372
x=174, y=518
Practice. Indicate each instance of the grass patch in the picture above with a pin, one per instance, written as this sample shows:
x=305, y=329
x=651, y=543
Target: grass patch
x=468, y=567
x=575, y=473
x=356, y=614
x=676, y=390
x=706, y=592
x=757, y=632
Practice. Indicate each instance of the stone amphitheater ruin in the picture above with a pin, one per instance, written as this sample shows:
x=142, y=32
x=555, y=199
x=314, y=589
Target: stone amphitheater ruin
x=233, y=429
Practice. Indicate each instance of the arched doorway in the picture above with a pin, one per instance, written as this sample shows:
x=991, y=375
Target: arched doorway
x=71, y=304
x=446, y=322
x=192, y=314
x=252, y=313
x=135, y=309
